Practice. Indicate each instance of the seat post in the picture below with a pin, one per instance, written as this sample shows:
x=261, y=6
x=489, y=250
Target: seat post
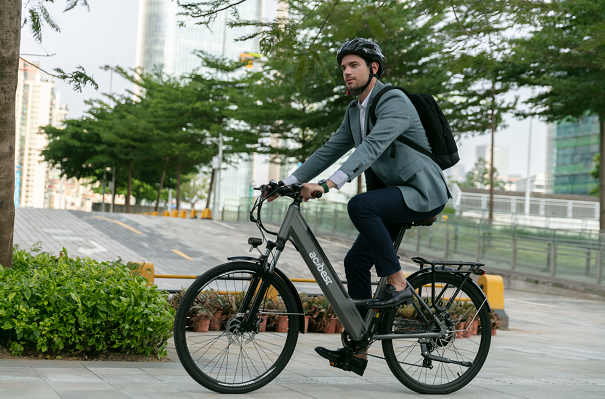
x=400, y=235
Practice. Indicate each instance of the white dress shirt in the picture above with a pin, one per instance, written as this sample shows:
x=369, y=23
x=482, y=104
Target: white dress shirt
x=339, y=177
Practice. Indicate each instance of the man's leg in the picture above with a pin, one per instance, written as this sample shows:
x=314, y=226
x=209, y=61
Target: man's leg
x=358, y=263
x=370, y=212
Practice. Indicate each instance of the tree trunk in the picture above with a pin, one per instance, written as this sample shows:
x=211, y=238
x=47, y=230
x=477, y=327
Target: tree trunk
x=491, y=162
x=157, y=202
x=129, y=191
x=10, y=26
x=602, y=173
x=210, y=190
x=178, y=185
x=114, y=189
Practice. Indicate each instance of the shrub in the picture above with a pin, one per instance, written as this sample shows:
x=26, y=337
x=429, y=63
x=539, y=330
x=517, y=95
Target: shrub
x=79, y=305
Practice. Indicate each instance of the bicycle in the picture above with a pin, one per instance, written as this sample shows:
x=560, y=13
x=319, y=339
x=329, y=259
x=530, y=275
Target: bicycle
x=421, y=341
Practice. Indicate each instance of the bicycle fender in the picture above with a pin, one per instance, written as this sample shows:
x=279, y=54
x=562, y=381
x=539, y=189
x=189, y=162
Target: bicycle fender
x=474, y=285
x=285, y=280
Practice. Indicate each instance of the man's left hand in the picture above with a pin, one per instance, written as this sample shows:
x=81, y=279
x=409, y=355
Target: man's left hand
x=308, y=190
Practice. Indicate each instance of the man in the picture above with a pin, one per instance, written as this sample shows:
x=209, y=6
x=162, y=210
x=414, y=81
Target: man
x=407, y=188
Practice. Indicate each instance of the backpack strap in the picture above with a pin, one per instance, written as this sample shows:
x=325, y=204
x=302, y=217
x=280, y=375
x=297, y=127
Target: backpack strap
x=401, y=139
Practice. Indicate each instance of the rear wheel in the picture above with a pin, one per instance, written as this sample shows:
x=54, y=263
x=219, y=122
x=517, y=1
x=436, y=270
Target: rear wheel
x=229, y=358
x=467, y=338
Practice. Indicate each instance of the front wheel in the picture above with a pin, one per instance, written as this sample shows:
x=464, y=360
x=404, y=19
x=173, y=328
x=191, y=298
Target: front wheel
x=213, y=345
x=467, y=339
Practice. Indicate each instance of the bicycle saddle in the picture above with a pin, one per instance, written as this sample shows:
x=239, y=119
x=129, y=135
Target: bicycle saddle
x=426, y=222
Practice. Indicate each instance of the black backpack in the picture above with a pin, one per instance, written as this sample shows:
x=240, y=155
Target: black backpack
x=441, y=139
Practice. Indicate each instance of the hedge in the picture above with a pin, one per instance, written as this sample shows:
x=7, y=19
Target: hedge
x=62, y=304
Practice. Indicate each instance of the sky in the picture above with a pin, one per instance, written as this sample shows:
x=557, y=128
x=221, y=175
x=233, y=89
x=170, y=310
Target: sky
x=107, y=36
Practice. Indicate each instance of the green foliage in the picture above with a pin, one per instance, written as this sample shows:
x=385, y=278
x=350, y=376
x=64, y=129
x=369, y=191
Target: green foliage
x=68, y=304
x=478, y=177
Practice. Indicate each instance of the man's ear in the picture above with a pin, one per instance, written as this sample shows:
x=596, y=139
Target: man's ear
x=375, y=67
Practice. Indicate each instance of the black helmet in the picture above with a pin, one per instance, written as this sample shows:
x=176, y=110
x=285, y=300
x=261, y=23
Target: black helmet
x=364, y=48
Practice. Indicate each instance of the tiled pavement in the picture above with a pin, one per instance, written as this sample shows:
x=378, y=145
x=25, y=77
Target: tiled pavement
x=553, y=350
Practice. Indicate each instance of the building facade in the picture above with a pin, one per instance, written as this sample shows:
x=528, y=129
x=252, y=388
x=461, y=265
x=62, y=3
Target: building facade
x=37, y=104
x=574, y=146
x=162, y=44
x=500, y=158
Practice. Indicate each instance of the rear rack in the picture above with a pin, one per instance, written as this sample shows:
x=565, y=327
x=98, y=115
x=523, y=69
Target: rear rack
x=475, y=267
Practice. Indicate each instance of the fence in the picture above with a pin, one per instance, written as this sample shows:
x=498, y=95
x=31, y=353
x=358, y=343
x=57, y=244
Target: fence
x=567, y=254
x=543, y=212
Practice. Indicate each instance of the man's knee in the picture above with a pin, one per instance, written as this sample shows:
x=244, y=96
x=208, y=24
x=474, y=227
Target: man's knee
x=355, y=204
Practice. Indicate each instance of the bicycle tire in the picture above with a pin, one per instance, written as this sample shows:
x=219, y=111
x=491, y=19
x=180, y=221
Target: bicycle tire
x=406, y=362
x=190, y=345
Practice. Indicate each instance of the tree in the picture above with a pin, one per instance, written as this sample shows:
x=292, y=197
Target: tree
x=10, y=26
x=566, y=54
x=481, y=176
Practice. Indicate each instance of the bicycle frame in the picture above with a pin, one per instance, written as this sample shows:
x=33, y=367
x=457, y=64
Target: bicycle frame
x=295, y=229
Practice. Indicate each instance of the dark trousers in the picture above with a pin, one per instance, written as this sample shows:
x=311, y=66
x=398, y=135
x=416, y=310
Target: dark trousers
x=378, y=216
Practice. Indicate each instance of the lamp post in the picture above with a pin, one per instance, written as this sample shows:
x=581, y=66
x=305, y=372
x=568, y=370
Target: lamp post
x=528, y=184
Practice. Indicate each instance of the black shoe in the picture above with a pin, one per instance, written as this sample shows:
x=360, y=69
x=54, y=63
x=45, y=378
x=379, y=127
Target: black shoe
x=389, y=298
x=343, y=359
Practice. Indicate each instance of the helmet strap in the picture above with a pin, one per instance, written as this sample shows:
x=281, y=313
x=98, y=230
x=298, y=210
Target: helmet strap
x=360, y=90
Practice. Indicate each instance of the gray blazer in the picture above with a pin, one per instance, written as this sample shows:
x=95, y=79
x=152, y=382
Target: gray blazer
x=420, y=180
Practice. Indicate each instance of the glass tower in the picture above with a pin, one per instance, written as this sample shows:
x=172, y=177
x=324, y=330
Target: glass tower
x=575, y=145
x=162, y=43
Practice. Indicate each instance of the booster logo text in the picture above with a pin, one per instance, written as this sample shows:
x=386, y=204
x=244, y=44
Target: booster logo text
x=320, y=268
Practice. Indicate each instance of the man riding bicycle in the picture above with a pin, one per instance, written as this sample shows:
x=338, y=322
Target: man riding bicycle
x=409, y=187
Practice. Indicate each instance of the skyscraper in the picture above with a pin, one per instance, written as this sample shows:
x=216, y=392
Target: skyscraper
x=574, y=146
x=162, y=43
x=37, y=104
x=500, y=158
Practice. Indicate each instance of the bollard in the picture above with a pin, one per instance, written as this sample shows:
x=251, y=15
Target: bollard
x=183, y=213
x=174, y=214
x=193, y=214
x=146, y=270
x=207, y=213
x=493, y=287
x=154, y=213
x=166, y=213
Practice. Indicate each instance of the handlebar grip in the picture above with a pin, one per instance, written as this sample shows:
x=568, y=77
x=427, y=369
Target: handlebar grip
x=317, y=194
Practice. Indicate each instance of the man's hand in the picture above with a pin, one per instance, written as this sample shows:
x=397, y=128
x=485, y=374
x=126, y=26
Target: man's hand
x=310, y=188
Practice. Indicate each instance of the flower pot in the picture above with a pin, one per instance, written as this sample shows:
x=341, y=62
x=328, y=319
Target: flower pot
x=282, y=324
x=307, y=323
x=468, y=333
x=494, y=331
x=331, y=327
x=217, y=321
x=339, y=327
x=460, y=327
x=202, y=324
x=262, y=327
x=474, y=327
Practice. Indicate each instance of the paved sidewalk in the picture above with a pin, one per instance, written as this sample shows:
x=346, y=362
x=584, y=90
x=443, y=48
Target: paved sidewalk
x=554, y=351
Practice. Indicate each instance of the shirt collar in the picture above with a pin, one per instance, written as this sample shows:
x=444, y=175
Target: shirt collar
x=364, y=104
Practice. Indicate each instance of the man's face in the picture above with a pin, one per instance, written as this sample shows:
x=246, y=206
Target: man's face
x=355, y=71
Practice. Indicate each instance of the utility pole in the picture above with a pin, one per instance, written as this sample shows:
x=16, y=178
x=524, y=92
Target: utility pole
x=528, y=185
x=104, y=180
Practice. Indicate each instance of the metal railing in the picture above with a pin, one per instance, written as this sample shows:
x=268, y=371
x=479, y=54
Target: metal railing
x=575, y=255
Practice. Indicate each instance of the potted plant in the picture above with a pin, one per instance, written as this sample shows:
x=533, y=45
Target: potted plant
x=331, y=320
x=216, y=303
x=281, y=324
x=495, y=321
x=202, y=319
x=304, y=299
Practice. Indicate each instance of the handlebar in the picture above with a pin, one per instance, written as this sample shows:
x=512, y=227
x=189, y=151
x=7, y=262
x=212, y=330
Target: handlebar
x=279, y=188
